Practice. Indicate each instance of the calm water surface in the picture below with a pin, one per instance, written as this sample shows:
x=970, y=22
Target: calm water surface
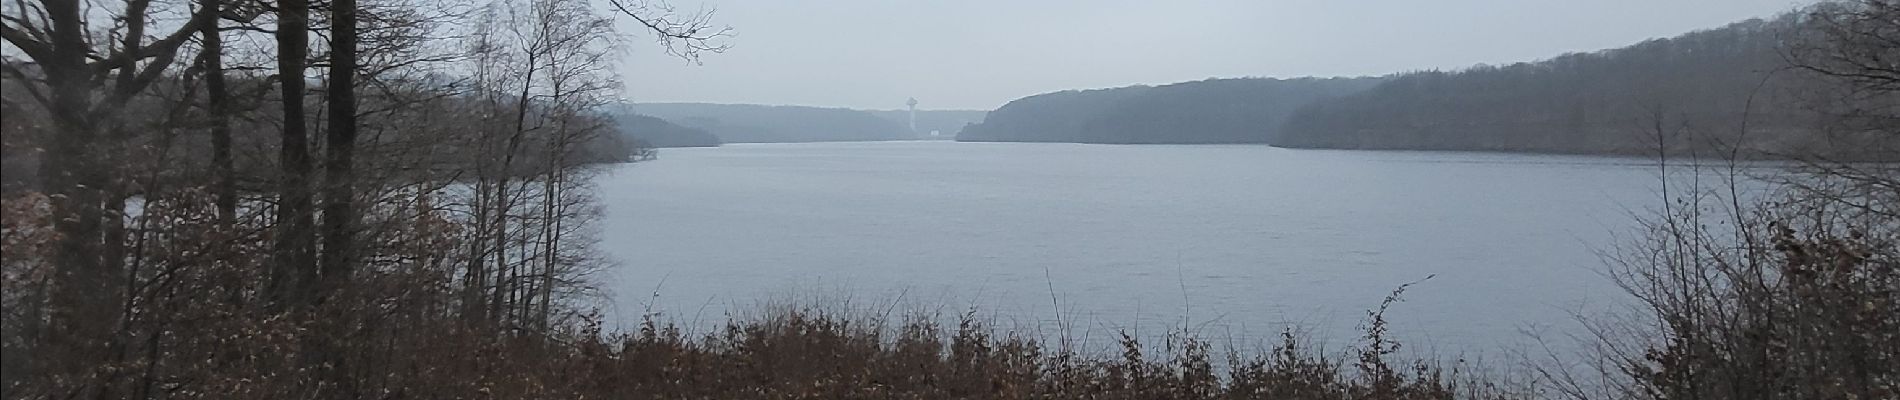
x=1238, y=241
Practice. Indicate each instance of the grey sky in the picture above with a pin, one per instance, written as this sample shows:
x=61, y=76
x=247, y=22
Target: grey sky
x=979, y=54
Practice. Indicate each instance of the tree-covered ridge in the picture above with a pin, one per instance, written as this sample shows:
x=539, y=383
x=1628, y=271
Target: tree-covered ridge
x=1213, y=110
x=752, y=123
x=1048, y=117
x=1239, y=110
x=653, y=132
x=1704, y=90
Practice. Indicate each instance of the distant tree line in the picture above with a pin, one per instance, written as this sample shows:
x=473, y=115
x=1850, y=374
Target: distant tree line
x=1723, y=88
x=752, y=123
x=1246, y=110
x=1214, y=111
x=649, y=131
x=1047, y=117
x=1731, y=89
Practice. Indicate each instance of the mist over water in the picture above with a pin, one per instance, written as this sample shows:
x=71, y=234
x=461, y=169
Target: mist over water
x=1240, y=241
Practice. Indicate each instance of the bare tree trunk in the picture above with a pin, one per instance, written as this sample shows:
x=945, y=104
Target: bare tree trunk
x=79, y=317
x=475, y=275
x=339, y=205
x=551, y=236
x=294, y=269
x=504, y=284
x=338, y=255
x=500, y=292
x=550, y=189
x=217, y=99
x=475, y=280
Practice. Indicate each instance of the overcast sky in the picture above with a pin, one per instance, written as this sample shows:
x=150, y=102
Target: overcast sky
x=979, y=54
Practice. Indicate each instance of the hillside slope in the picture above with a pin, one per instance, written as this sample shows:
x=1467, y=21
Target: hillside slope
x=1698, y=89
x=1240, y=110
x=751, y=123
x=655, y=132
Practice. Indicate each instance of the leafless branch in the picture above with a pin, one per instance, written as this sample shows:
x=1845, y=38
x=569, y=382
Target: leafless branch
x=686, y=36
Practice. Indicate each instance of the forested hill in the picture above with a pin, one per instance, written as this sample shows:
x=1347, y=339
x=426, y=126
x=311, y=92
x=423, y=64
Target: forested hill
x=750, y=123
x=651, y=131
x=1214, y=110
x=1243, y=110
x=1695, y=88
x=1047, y=117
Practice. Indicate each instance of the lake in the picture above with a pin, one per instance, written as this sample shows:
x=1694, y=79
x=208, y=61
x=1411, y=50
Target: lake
x=1235, y=242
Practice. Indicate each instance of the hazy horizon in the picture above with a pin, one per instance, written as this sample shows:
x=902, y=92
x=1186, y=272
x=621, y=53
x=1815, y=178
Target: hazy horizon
x=919, y=108
x=977, y=55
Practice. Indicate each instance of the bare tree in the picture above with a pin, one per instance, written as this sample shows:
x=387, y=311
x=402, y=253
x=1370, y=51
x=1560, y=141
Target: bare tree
x=339, y=207
x=217, y=98
x=1856, y=44
x=293, y=269
x=83, y=78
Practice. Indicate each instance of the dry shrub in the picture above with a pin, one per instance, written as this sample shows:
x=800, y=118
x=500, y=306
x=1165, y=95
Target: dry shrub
x=1802, y=301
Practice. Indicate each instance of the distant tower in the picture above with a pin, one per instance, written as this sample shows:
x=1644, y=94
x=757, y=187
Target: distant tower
x=913, y=114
